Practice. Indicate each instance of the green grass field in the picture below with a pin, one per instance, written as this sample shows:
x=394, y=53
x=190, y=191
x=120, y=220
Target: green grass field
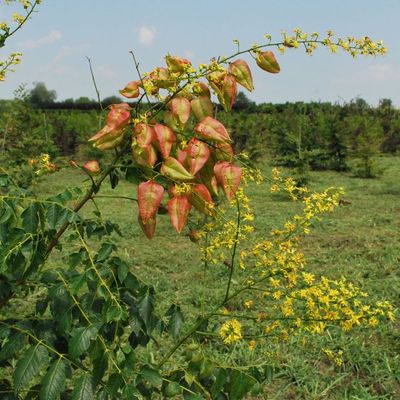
x=360, y=240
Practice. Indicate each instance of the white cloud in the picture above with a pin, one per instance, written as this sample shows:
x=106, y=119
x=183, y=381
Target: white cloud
x=189, y=54
x=381, y=72
x=105, y=71
x=146, y=35
x=52, y=37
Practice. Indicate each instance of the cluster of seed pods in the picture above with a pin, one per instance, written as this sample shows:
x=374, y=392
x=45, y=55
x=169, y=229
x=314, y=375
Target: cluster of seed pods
x=198, y=159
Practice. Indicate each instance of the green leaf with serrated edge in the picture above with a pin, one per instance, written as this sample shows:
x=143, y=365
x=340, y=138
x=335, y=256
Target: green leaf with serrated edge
x=175, y=322
x=29, y=366
x=15, y=342
x=221, y=378
x=30, y=218
x=54, y=215
x=54, y=381
x=240, y=384
x=114, y=383
x=105, y=251
x=100, y=366
x=146, y=307
x=151, y=376
x=83, y=388
x=122, y=271
x=80, y=340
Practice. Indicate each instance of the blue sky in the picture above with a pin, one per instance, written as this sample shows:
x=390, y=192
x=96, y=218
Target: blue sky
x=62, y=33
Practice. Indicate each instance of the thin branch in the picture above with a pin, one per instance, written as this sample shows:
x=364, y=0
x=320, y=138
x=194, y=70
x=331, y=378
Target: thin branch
x=94, y=83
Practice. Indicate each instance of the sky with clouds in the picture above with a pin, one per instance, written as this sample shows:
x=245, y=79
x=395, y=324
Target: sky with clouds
x=59, y=37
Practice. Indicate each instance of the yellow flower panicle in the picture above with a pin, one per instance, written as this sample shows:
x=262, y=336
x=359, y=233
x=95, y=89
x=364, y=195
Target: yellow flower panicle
x=285, y=298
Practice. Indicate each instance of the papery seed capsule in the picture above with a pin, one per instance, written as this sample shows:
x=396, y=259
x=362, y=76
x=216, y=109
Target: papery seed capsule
x=266, y=60
x=201, y=199
x=149, y=195
x=202, y=107
x=241, y=71
x=148, y=227
x=228, y=176
x=197, y=155
x=92, y=167
x=211, y=129
x=178, y=209
x=131, y=90
x=173, y=169
x=165, y=138
x=177, y=64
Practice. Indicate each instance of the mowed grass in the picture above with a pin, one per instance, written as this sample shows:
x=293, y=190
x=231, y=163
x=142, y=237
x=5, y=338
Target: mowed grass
x=360, y=241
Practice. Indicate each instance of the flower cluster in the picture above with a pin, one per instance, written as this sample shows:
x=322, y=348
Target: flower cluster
x=283, y=298
x=42, y=165
x=231, y=331
x=353, y=46
x=6, y=30
x=225, y=232
x=7, y=64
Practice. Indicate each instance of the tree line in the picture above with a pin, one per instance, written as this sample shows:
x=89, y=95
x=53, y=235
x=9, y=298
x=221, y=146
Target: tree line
x=315, y=135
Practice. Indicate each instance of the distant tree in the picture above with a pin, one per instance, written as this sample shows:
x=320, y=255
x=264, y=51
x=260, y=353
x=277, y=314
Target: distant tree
x=390, y=121
x=40, y=95
x=84, y=100
x=242, y=102
x=111, y=100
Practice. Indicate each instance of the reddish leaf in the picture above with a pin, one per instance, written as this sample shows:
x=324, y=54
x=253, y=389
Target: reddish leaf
x=165, y=138
x=266, y=60
x=178, y=209
x=149, y=195
x=228, y=176
x=241, y=71
x=198, y=153
x=211, y=129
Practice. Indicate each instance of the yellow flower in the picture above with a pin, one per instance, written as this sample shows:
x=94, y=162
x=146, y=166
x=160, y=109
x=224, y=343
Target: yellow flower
x=252, y=345
x=231, y=331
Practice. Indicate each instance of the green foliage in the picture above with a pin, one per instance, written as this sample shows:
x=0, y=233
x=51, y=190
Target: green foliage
x=40, y=95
